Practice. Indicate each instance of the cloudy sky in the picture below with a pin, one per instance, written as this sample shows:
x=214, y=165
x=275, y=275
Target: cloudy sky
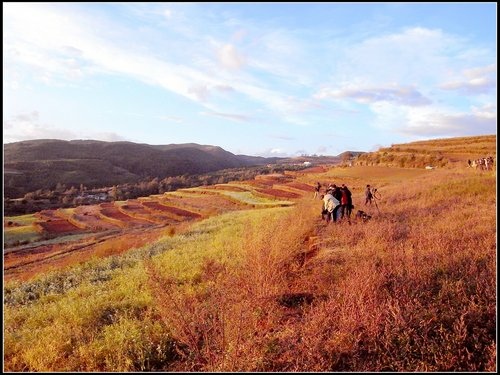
x=270, y=79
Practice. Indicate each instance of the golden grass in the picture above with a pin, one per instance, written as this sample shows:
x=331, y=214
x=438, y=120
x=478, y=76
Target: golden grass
x=276, y=289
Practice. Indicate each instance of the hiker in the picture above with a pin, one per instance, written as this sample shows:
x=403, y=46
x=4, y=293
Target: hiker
x=346, y=202
x=337, y=194
x=316, y=190
x=330, y=203
x=368, y=195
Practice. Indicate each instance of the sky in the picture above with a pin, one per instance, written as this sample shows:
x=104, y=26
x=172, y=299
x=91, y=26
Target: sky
x=263, y=79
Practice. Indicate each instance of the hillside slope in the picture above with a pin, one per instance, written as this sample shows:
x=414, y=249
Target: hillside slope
x=41, y=164
x=438, y=152
x=256, y=285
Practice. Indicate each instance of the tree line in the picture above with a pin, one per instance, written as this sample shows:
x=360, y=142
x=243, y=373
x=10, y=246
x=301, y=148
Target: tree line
x=63, y=196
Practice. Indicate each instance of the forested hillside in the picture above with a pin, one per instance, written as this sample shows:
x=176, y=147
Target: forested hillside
x=42, y=164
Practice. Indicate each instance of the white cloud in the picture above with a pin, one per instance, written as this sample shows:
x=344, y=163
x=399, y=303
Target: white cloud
x=480, y=80
x=26, y=126
x=230, y=57
x=231, y=116
x=433, y=121
x=371, y=94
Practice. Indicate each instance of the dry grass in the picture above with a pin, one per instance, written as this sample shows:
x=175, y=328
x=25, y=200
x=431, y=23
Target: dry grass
x=412, y=289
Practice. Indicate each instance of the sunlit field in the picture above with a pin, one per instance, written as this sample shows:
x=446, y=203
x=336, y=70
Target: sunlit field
x=279, y=289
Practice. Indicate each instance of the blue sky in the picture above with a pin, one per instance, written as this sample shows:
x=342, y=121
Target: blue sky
x=269, y=79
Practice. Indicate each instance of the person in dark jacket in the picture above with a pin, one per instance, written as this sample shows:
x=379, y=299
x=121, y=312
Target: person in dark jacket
x=347, y=197
x=368, y=195
x=337, y=194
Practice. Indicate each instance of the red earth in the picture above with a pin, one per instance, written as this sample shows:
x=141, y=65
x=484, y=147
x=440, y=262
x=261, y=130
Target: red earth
x=110, y=228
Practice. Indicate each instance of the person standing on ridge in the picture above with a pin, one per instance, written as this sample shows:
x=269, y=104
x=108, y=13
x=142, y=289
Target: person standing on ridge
x=368, y=195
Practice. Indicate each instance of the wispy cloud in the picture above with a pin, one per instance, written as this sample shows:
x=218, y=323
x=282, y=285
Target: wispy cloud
x=394, y=93
x=249, y=64
x=27, y=126
x=282, y=137
x=435, y=121
x=474, y=81
x=230, y=57
x=231, y=116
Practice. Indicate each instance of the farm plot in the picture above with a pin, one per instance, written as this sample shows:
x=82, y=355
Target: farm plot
x=177, y=213
x=58, y=226
x=206, y=204
x=277, y=193
x=226, y=187
x=47, y=215
x=112, y=213
x=89, y=216
x=300, y=186
x=138, y=209
x=249, y=198
x=20, y=234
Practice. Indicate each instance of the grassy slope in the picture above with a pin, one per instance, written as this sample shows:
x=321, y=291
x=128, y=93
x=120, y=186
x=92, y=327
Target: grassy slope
x=414, y=289
x=438, y=153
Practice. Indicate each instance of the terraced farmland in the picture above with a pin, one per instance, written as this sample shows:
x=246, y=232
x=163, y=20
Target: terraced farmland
x=54, y=238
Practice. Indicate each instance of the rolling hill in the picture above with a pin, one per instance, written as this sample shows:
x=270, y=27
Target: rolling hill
x=436, y=152
x=41, y=164
x=246, y=276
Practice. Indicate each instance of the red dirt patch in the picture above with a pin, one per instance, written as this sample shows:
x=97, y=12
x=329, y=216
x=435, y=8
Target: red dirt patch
x=47, y=215
x=278, y=193
x=89, y=216
x=300, y=186
x=58, y=226
x=318, y=169
x=109, y=210
x=145, y=212
x=180, y=212
x=206, y=204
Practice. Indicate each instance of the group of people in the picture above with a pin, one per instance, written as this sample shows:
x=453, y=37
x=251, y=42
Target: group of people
x=484, y=164
x=337, y=202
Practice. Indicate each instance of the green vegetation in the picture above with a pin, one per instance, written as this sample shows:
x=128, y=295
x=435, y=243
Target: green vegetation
x=248, y=197
x=23, y=220
x=20, y=235
x=19, y=230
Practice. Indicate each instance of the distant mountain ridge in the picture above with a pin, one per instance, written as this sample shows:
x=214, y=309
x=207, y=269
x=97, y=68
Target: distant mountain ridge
x=42, y=163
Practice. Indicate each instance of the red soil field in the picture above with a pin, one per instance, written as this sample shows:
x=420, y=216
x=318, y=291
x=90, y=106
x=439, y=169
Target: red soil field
x=206, y=204
x=261, y=183
x=279, y=193
x=143, y=211
x=58, y=226
x=318, y=169
x=172, y=210
x=109, y=210
x=300, y=186
x=47, y=215
x=89, y=216
x=128, y=231
x=24, y=263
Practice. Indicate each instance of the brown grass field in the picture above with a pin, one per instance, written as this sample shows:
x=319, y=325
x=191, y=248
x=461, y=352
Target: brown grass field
x=274, y=289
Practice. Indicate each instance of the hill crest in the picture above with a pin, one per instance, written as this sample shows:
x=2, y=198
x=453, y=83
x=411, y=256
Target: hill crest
x=43, y=163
